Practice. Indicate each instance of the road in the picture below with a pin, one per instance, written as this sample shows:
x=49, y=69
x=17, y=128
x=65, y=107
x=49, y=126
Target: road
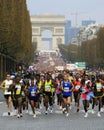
x=55, y=121
x=50, y=61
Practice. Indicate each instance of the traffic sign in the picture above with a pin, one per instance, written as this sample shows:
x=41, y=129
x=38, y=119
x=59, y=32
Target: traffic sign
x=81, y=65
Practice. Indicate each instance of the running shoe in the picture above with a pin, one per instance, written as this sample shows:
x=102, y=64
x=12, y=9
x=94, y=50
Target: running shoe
x=86, y=115
x=46, y=112
x=34, y=116
x=21, y=115
x=99, y=115
x=67, y=114
x=18, y=116
x=63, y=110
x=102, y=110
x=93, y=111
x=8, y=113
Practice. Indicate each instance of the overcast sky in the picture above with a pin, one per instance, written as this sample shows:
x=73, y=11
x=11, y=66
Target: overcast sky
x=86, y=9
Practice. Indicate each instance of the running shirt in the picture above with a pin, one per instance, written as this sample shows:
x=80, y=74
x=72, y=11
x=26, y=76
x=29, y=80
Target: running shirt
x=66, y=87
x=48, y=86
x=39, y=84
x=6, y=87
x=33, y=92
x=18, y=88
x=58, y=89
x=57, y=86
x=85, y=92
x=98, y=89
x=77, y=86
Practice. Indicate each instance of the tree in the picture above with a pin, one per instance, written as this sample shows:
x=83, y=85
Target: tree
x=15, y=30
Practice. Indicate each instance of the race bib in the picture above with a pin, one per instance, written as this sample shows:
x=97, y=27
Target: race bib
x=18, y=91
x=33, y=93
x=7, y=84
x=77, y=87
x=83, y=90
x=47, y=88
x=99, y=87
x=6, y=92
x=66, y=89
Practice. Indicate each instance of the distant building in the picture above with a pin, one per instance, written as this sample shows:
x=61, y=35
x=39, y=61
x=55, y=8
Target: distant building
x=73, y=32
x=48, y=24
x=74, y=41
x=88, y=33
x=67, y=31
x=75, y=35
x=88, y=22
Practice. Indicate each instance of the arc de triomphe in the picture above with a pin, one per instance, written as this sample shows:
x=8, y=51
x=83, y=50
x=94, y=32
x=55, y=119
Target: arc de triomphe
x=54, y=23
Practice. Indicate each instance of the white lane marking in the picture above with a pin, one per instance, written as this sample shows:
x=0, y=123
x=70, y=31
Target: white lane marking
x=6, y=114
x=1, y=102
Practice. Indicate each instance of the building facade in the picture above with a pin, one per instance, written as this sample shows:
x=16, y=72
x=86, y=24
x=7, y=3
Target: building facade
x=88, y=22
x=53, y=23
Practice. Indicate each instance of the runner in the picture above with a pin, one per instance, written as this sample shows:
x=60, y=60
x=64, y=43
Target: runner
x=98, y=93
x=47, y=93
x=18, y=89
x=58, y=93
x=70, y=77
x=33, y=97
x=92, y=99
x=102, y=81
x=67, y=89
x=85, y=97
x=7, y=94
x=25, y=94
x=77, y=91
x=40, y=83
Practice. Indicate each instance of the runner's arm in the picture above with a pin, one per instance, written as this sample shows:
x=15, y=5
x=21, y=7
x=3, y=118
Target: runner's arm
x=2, y=84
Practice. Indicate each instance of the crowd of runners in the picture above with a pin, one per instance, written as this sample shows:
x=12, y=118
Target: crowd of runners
x=39, y=89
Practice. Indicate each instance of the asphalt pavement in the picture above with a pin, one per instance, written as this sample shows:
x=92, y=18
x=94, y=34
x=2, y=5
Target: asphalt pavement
x=54, y=121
